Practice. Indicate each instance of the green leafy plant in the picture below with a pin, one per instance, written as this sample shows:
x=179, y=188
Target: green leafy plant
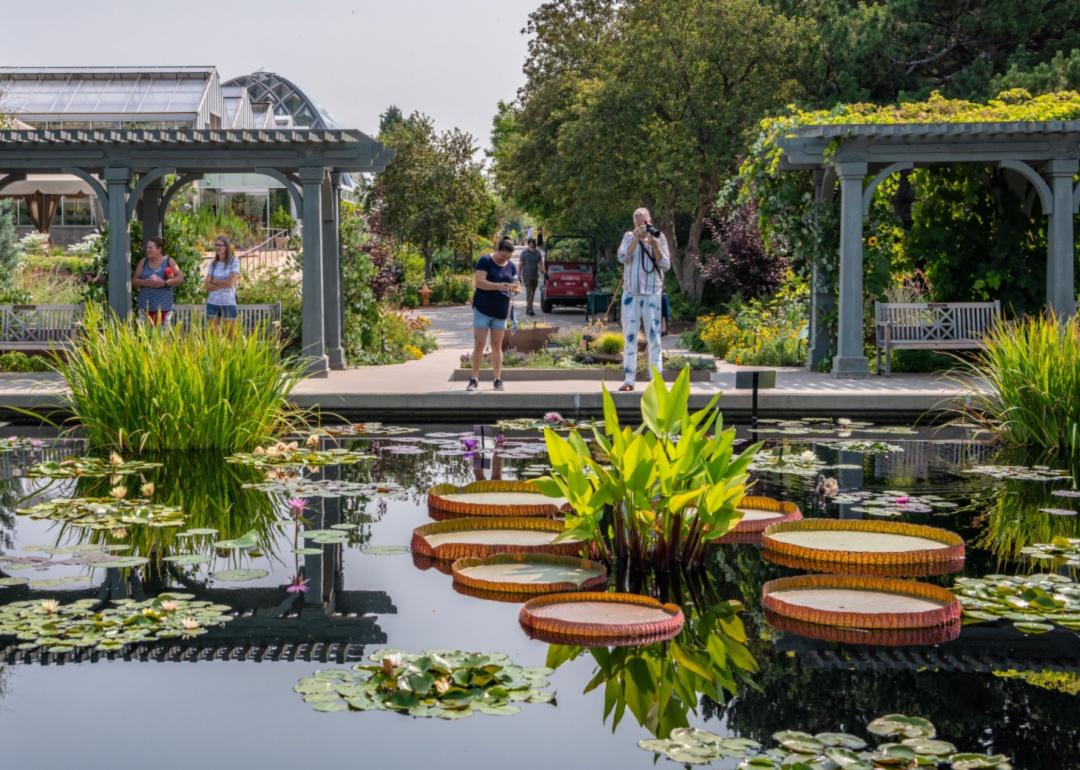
x=611, y=344
x=17, y=361
x=1029, y=385
x=138, y=386
x=669, y=489
x=447, y=684
x=281, y=219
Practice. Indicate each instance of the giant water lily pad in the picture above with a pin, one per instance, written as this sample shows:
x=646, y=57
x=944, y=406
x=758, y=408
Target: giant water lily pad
x=494, y=498
x=487, y=535
x=1030, y=602
x=445, y=684
x=602, y=617
x=529, y=574
x=105, y=513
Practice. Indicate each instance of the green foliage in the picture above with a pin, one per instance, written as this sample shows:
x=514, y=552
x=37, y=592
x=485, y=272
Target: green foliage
x=17, y=361
x=450, y=289
x=138, y=386
x=281, y=219
x=9, y=251
x=670, y=487
x=432, y=194
x=645, y=102
x=611, y=343
x=205, y=223
x=1062, y=73
x=183, y=247
x=71, y=264
x=1029, y=392
x=277, y=285
x=763, y=332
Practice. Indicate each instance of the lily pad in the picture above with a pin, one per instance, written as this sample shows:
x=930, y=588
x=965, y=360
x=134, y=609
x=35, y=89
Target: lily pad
x=898, y=725
x=977, y=761
x=240, y=575
x=189, y=559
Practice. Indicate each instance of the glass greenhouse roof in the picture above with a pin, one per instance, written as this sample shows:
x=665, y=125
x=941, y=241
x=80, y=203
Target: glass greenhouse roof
x=90, y=91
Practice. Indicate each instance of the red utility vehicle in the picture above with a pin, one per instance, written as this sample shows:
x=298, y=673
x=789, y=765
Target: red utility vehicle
x=571, y=271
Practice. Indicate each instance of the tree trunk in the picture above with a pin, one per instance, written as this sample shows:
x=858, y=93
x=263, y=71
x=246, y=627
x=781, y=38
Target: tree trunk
x=428, y=273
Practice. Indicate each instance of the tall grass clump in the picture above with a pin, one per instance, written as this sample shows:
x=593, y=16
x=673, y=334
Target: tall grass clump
x=1029, y=395
x=137, y=387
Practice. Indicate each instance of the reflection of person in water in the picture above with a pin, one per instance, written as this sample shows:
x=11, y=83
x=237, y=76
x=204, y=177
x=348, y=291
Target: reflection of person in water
x=483, y=462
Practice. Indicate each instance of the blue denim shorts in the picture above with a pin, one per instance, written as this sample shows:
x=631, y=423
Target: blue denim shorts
x=481, y=321
x=228, y=312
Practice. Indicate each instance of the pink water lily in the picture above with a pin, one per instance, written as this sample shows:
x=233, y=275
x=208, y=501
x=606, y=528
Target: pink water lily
x=903, y=500
x=298, y=503
x=553, y=418
x=299, y=585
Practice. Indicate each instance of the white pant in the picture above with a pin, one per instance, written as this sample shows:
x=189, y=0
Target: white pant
x=635, y=309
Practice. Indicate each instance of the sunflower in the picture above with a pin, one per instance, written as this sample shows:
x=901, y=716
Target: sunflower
x=871, y=241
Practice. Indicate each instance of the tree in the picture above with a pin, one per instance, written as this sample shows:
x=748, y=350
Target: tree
x=643, y=103
x=9, y=249
x=432, y=194
x=1062, y=73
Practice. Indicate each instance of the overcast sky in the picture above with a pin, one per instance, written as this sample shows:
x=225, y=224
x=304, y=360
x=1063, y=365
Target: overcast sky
x=453, y=59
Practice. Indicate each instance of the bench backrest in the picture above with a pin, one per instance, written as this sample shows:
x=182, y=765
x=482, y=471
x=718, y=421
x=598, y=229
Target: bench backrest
x=39, y=323
x=249, y=317
x=928, y=321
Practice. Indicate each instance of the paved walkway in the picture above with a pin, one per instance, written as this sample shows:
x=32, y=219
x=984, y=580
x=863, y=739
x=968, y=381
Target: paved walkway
x=422, y=390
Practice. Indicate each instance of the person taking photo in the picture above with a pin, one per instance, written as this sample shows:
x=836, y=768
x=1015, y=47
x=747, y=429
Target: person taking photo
x=645, y=257
x=496, y=284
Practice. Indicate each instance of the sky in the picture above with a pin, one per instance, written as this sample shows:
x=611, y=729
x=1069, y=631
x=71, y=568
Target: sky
x=451, y=59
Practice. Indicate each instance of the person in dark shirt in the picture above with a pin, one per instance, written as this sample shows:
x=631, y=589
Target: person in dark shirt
x=532, y=266
x=496, y=284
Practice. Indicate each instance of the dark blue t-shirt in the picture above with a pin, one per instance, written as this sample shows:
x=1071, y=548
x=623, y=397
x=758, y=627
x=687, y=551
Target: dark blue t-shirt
x=494, y=304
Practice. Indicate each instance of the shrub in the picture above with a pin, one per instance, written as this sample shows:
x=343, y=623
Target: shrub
x=71, y=264
x=610, y=343
x=448, y=288
x=34, y=243
x=269, y=286
x=737, y=262
x=281, y=219
x=1029, y=385
x=135, y=386
x=16, y=361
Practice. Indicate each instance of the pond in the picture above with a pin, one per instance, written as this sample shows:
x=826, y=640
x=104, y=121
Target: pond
x=228, y=693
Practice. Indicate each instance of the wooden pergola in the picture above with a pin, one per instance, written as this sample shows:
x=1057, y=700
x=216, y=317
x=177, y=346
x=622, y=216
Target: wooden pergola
x=857, y=158
x=128, y=168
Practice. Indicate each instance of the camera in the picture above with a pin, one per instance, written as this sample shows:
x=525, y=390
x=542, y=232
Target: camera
x=653, y=231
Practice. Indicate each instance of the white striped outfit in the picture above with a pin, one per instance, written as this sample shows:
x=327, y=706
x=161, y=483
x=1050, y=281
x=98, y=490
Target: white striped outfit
x=643, y=289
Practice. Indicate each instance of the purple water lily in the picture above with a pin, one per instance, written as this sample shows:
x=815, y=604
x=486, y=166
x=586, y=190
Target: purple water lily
x=469, y=443
x=299, y=585
x=298, y=503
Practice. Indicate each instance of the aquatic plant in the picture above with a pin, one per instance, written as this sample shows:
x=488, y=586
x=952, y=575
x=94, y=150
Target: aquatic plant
x=90, y=467
x=787, y=461
x=61, y=627
x=1033, y=603
x=446, y=684
x=913, y=744
x=1026, y=387
x=671, y=486
x=892, y=503
x=1064, y=550
x=136, y=386
x=290, y=453
x=362, y=429
x=105, y=513
x=1019, y=472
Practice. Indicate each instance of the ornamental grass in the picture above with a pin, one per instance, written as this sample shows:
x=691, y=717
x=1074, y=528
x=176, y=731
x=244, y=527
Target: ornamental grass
x=142, y=388
x=1029, y=394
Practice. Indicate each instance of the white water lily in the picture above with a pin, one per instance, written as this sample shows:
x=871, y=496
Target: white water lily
x=147, y=489
x=50, y=606
x=189, y=624
x=312, y=441
x=115, y=459
x=118, y=492
x=169, y=605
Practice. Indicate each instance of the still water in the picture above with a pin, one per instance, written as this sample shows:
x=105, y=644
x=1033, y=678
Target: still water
x=993, y=689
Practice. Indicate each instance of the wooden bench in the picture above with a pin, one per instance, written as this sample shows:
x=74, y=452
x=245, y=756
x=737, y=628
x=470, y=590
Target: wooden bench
x=249, y=317
x=931, y=326
x=36, y=328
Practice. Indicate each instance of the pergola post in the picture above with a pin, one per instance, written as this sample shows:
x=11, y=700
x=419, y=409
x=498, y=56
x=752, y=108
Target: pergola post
x=116, y=182
x=312, y=337
x=1060, y=260
x=850, y=360
x=332, y=305
x=819, y=338
x=152, y=215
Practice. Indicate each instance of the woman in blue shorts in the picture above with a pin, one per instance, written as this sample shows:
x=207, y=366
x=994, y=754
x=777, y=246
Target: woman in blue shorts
x=496, y=284
x=221, y=283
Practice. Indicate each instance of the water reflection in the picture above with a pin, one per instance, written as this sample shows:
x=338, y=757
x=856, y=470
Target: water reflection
x=662, y=684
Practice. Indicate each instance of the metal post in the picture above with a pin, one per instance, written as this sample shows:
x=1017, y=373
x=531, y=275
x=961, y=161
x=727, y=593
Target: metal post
x=312, y=336
x=332, y=305
x=117, y=181
x=850, y=360
x=753, y=402
x=1060, y=264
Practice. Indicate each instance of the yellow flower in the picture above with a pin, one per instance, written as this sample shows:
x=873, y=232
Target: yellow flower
x=871, y=241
